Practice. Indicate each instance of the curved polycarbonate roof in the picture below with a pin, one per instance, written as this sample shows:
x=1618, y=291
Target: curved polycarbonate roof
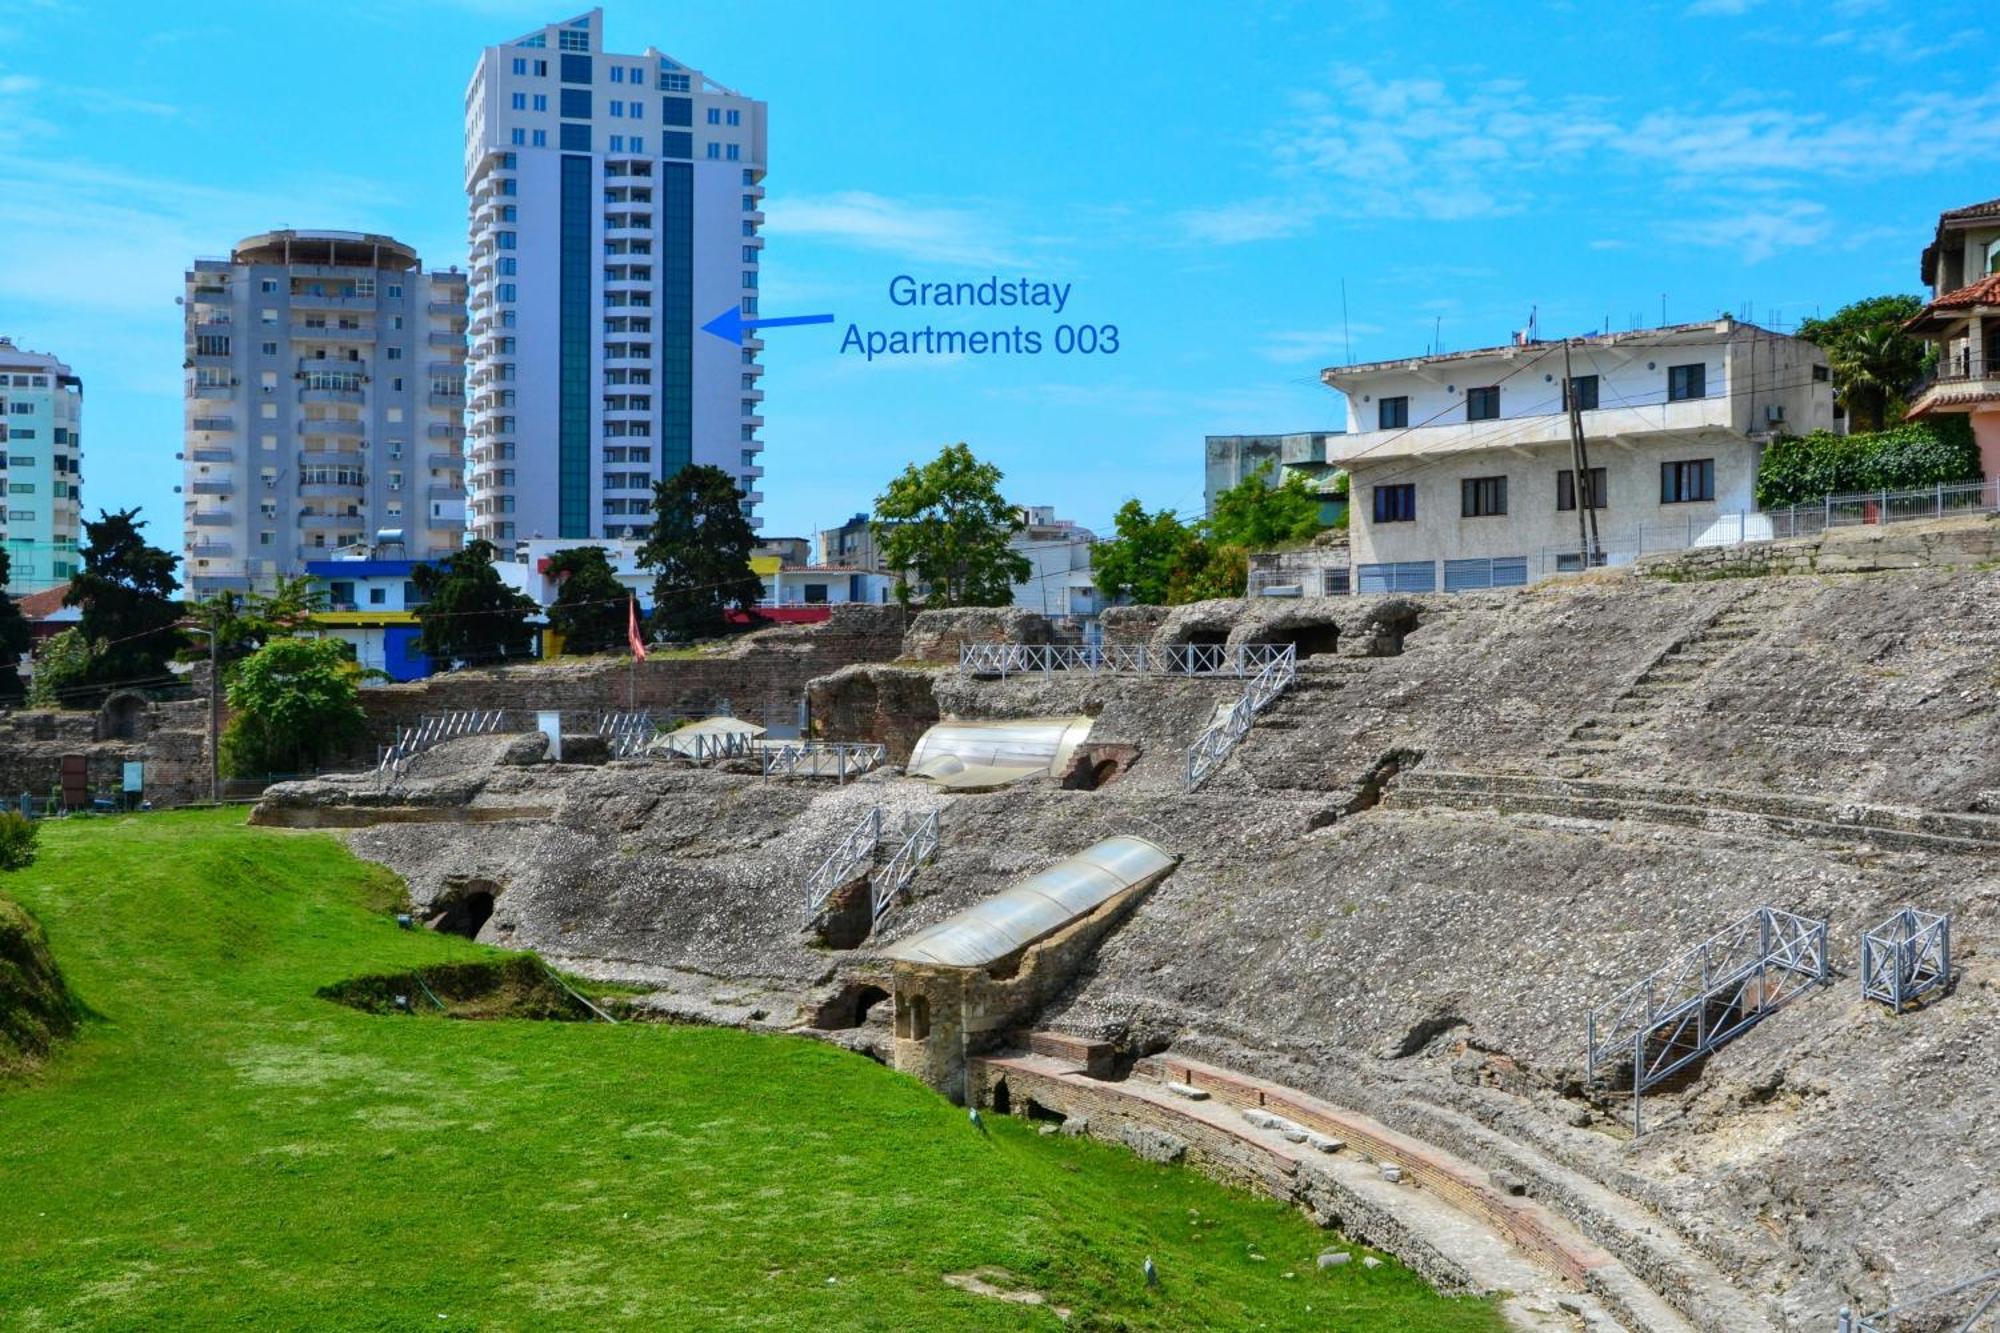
x=1037, y=907
x=1028, y=745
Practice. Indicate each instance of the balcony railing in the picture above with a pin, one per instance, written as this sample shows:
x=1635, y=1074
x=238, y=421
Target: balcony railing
x=443, y=430
x=210, y=550
x=444, y=460
x=331, y=426
x=1960, y=369
x=210, y=454
x=209, y=518
x=314, y=332
x=213, y=487
x=215, y=423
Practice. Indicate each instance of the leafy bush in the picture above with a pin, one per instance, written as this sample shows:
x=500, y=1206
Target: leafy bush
x=17, y=840
x=62, y=665
x=296, y=703
x=1804, y=469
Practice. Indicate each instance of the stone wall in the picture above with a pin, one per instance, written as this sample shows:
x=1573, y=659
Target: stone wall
x=1945, y=543
x=872, y=702
x=761, y=676
x=171, y=739
x=937, y=636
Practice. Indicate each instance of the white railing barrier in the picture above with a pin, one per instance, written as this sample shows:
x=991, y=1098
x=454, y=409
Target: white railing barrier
x=432, y=730
x=1906, y=958
x=1214, y=745
x=1188, y=659
x=856, y=850
x=895, y=876
x=841, y=759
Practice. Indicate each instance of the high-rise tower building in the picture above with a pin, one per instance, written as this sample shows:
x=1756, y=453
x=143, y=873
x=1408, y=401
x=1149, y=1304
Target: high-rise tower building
x=325, y=407
x=41, y=462
x=615, y=206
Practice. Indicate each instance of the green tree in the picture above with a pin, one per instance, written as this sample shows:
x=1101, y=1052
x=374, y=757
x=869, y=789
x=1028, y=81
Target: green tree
x=1145, y=556
x=1258, y=516
x=244, y=624
x=469, y=614
x=699, y=549
x=126, y=590
x=1874, y=362
x=14, y=638
x=295, y=702
x=62, y=664
x=947, y=523
x=591, y=606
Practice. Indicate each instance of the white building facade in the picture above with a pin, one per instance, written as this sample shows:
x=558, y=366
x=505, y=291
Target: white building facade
x=1060, y=581
x=1461, y=467
x=325, y=404
x=615, y=206
x=41, y=459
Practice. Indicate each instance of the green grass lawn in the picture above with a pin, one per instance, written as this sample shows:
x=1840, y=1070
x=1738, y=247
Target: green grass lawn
x=219, y=1148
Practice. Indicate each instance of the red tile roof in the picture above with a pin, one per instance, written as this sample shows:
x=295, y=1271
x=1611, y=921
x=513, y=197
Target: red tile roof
x=1991, y=208
x=41, y=605
x=1984, y=293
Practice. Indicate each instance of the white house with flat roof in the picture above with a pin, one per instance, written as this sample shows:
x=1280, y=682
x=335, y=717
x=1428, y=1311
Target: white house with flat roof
x=1461, y=464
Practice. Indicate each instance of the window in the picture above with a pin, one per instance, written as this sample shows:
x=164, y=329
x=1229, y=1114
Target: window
x=676, y=143
x=575, y=137
x=715, y=150
x=618, y=74
x=1687, y=482
x=750, y=254
x=1566, y=488
x=638, y=143
x=1396, y=504
x=570, y=39
x=1684, y=382
x=732, y=152
x=617, y=143
x=673, y=83
x=395, y=291
x=735, y=117
x=617, y=108
x=749, y=176
x=715, y=115
x=1821, y=374
x=211, y=344
x=519, y=137
x=1586, y=394
x=378, y=596
x=541, y=69
x=541, y=104
x=1392, y=413
x=541, y=138
x=1482, y=497
x=1483, y=404
x=268, y=285
x=520, y=65
x=519, y=101
x=576, y=103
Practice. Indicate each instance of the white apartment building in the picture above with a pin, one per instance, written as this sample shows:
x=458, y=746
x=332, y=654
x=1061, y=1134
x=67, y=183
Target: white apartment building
x=615, y=205
x=1461, y=468
x=325, y=407
x=41, y=459
x=1060, y=581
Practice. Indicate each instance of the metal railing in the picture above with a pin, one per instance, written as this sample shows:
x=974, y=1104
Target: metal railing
x=1213, y=746
x=1967, y=1291
x=897, y=872
x=1739, y=527
x=1187, y=659
x=1714, y=992
x=1906, y=958
x=710, y=747
x=434, y=730
x=627, y=734
x=856, y=850
x=839, y=760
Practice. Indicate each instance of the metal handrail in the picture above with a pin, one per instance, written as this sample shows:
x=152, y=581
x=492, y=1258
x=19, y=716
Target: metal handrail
x=1187, y=659
x=1708, y=995
x=434, y=729
x=1873, y=1323
x=1906, y=958
x=1213, y=745
x=850, y=758
x=856, y=850
x=902, y=867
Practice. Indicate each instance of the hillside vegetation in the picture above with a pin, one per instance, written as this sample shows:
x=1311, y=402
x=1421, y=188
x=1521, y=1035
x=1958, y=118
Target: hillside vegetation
x=223, y=1147
x=35, y=1007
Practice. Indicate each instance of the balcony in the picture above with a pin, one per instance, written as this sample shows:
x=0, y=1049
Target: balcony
x=327, y=333
x=331, y=490
x=330, y=395
x=213, y=487
x=444, y=460
x=329, y=457
x=211, y=518
x=448, y=400
x=332, y=426
x=448, y=309
x=1687, y=421
x=444, y=430
x=445, y=369
x=210, y=550
x=310, y=301
x=213, y=423
x=211, y=454
x=445, y=338
x=442, y=492
x=213, y=392
x=1960, y=380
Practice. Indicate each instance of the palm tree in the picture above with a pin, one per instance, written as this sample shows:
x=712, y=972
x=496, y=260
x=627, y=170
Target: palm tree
x=1873, y=366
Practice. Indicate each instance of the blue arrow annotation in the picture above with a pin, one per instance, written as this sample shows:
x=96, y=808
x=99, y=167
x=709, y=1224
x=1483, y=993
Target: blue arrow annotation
x=730, y=325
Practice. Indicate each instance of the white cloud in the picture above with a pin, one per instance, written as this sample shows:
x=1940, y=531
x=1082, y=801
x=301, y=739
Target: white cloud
x=1318, y=347
x=1235, y=224
x=925, y=233
x=1722, y=8
x=1759, y=233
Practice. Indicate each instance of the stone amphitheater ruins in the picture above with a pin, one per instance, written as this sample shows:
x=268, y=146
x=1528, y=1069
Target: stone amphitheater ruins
x=1354, y=966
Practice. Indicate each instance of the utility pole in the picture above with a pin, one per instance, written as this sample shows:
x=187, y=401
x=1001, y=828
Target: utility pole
x=214, y=710
x=1586, y=507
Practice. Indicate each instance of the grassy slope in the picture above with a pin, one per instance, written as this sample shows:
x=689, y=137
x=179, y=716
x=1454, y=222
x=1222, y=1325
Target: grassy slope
x=220, y=1147
x=36, y=1010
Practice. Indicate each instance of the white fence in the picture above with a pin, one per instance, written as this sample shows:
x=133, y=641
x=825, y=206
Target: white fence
x=1187, y=659
x=1213, y=746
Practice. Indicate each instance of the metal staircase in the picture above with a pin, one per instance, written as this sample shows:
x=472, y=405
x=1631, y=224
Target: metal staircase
x=914, y=842
x=1213, y=746
x=1712, y=993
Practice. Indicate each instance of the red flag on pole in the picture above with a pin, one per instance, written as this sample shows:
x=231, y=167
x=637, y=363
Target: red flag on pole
x=632, y=629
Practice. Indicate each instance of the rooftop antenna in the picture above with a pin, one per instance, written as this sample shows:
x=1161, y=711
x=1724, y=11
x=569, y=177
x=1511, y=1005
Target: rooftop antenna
x=1345, y=339
x=1663, y=310
x=1437, y=337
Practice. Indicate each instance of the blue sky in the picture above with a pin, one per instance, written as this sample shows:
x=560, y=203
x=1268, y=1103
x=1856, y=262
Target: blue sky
x=1206, y=176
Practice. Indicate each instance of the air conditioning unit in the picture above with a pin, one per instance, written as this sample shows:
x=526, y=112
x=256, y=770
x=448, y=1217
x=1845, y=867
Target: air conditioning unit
x=1774, y=413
